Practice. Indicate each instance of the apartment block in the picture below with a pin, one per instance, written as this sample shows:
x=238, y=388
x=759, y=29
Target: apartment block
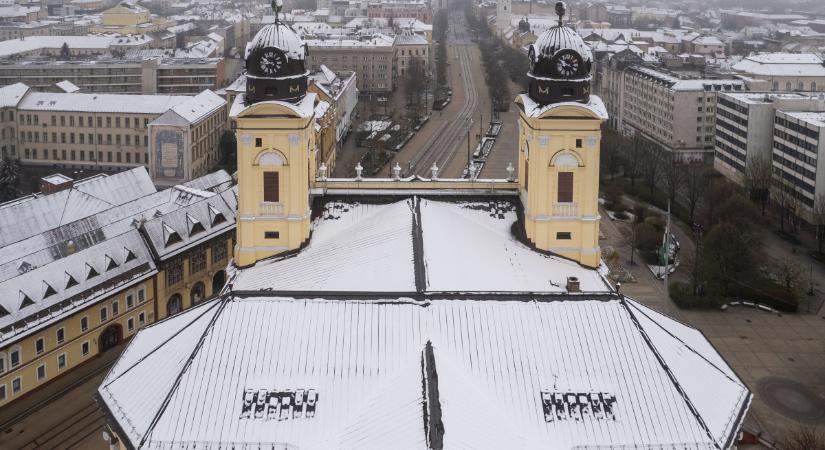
x=371, y=57
x=178, y=76
x=678, y=114
x=782, y=127
x=104, y=132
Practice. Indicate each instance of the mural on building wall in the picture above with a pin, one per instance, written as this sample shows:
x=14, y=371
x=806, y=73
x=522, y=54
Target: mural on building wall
x=168, y=153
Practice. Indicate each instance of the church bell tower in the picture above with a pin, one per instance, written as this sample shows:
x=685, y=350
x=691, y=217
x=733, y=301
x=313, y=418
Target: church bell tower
x=559, y=137
x=276, y=145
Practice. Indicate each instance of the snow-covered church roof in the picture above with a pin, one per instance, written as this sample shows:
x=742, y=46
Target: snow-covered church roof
x=420, y=323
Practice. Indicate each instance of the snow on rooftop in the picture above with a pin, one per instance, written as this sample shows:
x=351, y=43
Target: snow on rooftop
x=354, y=247
x=533, y=109
x=814, y=118
x=782, y=64
x=373, y=248
x=469, y=246
x=111, y=103
x=11, y=95
x=199, y=106
x=316, y=373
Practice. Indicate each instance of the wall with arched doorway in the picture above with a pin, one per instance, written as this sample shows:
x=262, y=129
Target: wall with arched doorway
x=218, y=280
x=174, y=305
x=197, y=294
x=110, y=337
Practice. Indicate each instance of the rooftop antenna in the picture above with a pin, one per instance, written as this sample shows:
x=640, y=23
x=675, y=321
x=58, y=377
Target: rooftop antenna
x=561, y=9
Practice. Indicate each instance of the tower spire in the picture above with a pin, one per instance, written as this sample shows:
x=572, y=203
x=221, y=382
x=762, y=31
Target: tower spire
x=561, y=10
x=277, y=6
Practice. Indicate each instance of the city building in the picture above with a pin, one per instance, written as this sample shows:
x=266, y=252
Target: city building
x=184, y=141
x=419, y=10
x=676, y=114
x=406, y=307
x=780, y=128
x=87, y=263
x=371, y=56
x=785, y=71
x=145, y=75
x=128, y=18
x=106, y=132
x=339, y=90
x=411, y=48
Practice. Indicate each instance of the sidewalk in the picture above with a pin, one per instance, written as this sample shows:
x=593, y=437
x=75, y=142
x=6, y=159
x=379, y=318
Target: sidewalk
x=780, y=357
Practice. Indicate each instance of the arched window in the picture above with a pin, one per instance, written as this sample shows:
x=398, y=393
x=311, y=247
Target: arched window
x=788, y=86
x=801, y=86
x=174, y=305
x=813, y=86
x=775, y=86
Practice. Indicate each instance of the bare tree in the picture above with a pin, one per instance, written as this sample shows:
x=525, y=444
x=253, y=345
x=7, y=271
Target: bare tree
x=758, y=178
x=818, y=220
x=784, y=198
x=694, y=186
x=649, y=167
x=632, y=155
x=672, y=176
x=804, y=438
x=612, y=149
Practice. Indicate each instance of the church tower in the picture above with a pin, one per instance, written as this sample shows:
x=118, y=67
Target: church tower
x=276, y=145
x=504, y=11
x=559, y=137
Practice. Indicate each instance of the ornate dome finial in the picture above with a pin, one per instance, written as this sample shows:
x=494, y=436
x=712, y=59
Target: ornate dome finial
x=277, y=6
x=561, y=10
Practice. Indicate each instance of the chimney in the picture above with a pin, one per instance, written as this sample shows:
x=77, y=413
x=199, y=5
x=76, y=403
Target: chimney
x=55, y=183
x=573, y=285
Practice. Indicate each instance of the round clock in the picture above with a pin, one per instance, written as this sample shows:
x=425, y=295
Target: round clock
x=568, y=63
x=271, y=61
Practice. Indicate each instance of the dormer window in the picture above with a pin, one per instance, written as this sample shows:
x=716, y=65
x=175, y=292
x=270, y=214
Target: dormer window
x=48, y=290
x=194, y=224
x=170, y=236
x=110, y=263
x=70, y=281
x=25, y=300
x=90, y=271
x=215, y=217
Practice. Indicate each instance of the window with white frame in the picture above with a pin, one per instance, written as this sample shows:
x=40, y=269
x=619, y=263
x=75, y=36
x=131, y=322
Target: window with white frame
x=61, y=361
x=104, y=314
x=40, y=345
x=141, y=319
x=84, y=348
x=141, y=295
x=41, y=372
x=2, y=392
x=61, y=335
x=115, y=308
x=16, y=385
x=130, y=300
x=130, y=324
x=84, y=323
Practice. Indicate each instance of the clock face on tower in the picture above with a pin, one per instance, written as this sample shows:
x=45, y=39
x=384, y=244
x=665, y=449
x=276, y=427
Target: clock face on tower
x=567, y=64
x=271, y=61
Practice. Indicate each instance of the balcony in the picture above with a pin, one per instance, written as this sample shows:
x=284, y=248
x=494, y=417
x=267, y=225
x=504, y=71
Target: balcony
x=565, y=209
x=271, y=209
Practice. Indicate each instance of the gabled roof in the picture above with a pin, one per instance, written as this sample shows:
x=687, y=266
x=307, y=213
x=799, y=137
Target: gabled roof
x=412, y=245
x=493, y=373
x=48, y=288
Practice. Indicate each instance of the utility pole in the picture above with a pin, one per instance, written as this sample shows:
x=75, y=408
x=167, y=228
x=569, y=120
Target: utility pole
x=632, y=243
x=666, y=250
x=697, y=261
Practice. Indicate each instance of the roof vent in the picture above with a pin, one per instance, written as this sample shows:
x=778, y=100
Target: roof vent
x=158, y=213
x=90, y=271
x=170, y=236
x=25, y=300
x=110, y=263
x=55, y=183
x=48, y=290
x=130, y=255
x=215, y=216
x=195, y=226
x=70, y=281
x=573, y=285
x=24, y=267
